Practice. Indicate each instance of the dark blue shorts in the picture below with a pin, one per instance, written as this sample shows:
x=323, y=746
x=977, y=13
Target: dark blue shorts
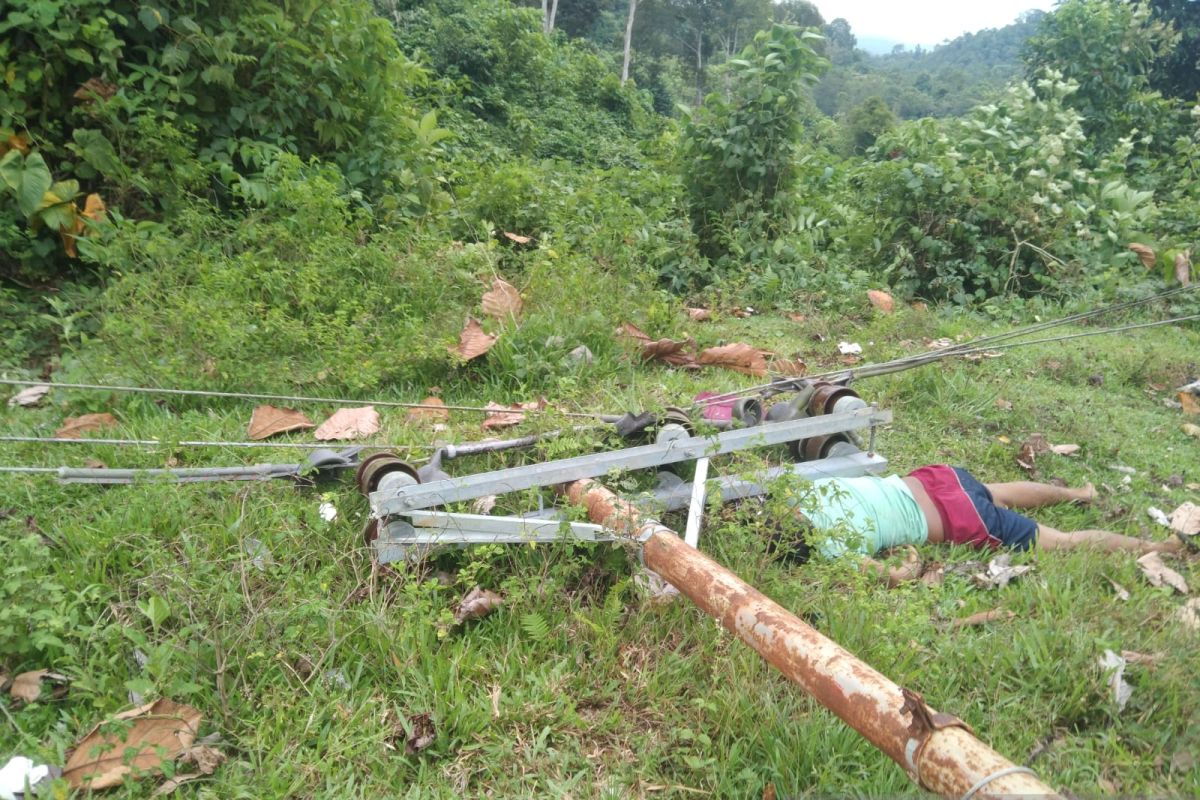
x=969, y=512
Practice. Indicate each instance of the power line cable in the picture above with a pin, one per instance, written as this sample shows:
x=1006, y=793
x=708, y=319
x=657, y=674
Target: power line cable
x=202, y=443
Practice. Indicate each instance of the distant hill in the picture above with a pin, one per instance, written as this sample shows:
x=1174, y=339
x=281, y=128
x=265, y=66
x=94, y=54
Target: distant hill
x=944, y=81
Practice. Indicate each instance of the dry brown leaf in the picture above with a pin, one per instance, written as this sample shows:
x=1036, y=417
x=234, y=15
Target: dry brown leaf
x=1004, y=405
x=736, y=356
x=699, y=314
x=473, y=342
x=1191, y=430
x=1031, y=448
x=502, y=301
x=206, y=758
x=1144, y=659
x=501, y=416
x=27, y=687
x=1159, y=574
x=518, y=238
x=478, y=603
x=171, y=784
x=1064, y=449
x=1183, y=267
x=1186, y=519
x=268, y=420
x=934, y=574
x=157, y=734
x=882, y=300
x=917, y=305
x=1146, y=254
x=791, y=367
x=1188, y=614
x=797, y=317
x=72, y=427
x=1121, y=592
x=1189, y=403
x=484, y=505
x=669, y=351
x=423, y=733
x=630, y=331
x=349, y=423
x=433, y=410
x=29, y=396
x=983, y=617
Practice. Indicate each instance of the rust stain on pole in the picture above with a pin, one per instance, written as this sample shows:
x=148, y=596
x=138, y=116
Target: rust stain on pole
x=937, y=750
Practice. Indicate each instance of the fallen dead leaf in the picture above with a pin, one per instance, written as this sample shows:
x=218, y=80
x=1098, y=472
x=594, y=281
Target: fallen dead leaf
x=433, y=409
x=29, y=396
x=1188, y=614
x=939, y=344
x=1114, y=666
x=495, y=694
x=158, y=732
x=518, y=238
x=27, y=687
x=999, y=573
x=502, y=301
x=1186, y=519
x=983, y=617
x=1144, y=659
x=1120, y=591
x=882, y=300
x=669, y=351
x=736, y=356
x=1031, y=448
x=1159, y=574
x=699, y=314
x=1183, y=267
x=348, y=423
x=1004, y=405
x=797, y=317
x=92, y=88
x=423, y=733
x=934, y=574
x=174, y=782
x=478, y=603
x=72, y=427
x=1190, y=403
x=267, y=421
x=918, y=305
x=501, y=416
x=1192, y=430
x=473, y=342
x=1064, y=449
x=1146, y=254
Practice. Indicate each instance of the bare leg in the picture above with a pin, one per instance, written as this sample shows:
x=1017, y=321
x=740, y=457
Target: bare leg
x=1052, y=539
x=1027, y=494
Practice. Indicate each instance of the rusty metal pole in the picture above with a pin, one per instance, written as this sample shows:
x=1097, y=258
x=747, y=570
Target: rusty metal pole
x=938, y=751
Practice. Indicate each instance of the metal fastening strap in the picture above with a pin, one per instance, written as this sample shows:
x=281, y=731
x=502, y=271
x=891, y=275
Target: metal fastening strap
x=1000, y=773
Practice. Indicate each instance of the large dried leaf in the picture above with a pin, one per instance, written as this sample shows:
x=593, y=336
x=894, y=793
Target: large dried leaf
x=1189, y=403
x=27, y=687
x=93, y=88
x=1159, y=574
x=736, y=356
x=473, y=342
x=349, y=423
x=423, y=733
x=630, y=331
x=699, y=314
x=502, y=301
x=791, y=367
x=1146, y=254
x=268, y=420
x=518, y=238
x=432, y=410
x=29, y=396
x=669, y=351
x=501, y=416
x=882, y=300
x=478, y=603
x=1183, y=267
x=1031, y=448
x=156, y=734
x=72, y=427
x=1186, y=519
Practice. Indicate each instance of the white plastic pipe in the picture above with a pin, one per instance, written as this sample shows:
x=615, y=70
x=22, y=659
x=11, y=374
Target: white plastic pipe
x=691, y=534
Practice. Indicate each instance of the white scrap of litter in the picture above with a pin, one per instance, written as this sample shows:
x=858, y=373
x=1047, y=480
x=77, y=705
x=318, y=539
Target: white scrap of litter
x=1123, y=469
x=1159, y=516
x=29, y=396
x=1122, y=691
x=328, y=512
x=15, y=774
x=850, y=348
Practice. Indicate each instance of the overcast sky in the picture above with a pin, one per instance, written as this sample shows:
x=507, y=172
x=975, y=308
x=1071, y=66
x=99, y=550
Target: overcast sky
x=925, y=22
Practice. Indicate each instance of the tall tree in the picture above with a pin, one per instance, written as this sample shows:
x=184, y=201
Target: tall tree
x=1177, y=74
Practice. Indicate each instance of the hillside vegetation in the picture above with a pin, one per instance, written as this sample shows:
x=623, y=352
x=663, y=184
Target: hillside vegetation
x=310, y=198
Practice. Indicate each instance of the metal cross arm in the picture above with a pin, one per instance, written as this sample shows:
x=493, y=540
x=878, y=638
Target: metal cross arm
x=410, y=498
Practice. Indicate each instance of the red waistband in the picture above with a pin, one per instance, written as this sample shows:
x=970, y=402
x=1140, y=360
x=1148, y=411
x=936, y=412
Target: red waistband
x=961, y=523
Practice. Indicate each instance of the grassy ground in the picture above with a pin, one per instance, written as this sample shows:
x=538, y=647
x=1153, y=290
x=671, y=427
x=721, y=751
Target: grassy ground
x=311, y=666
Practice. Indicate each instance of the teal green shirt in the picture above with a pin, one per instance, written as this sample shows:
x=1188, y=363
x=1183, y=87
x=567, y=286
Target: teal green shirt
x=863, y=515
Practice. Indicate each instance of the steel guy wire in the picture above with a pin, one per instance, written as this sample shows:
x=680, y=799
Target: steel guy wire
x=203, y=443
x=286, y=398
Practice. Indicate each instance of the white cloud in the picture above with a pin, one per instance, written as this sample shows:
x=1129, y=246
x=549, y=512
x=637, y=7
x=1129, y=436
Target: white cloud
x=925, y=22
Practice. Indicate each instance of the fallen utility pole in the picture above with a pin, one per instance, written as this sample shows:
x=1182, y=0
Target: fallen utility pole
x=938, y=751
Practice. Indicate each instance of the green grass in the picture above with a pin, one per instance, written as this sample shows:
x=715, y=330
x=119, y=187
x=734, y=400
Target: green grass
x=310, y=667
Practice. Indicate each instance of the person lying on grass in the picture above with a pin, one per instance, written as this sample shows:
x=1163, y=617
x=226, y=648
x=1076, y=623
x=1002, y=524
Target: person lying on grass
x=939, y=503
